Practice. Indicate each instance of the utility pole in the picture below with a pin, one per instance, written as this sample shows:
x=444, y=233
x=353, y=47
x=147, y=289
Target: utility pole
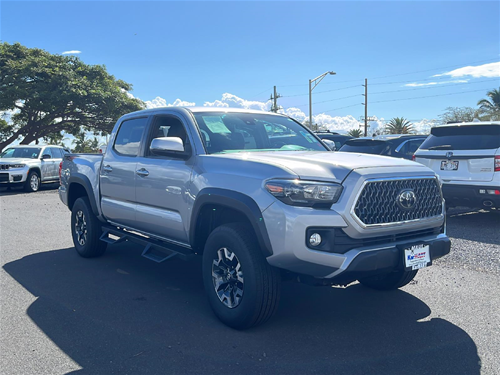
x=366, y=106
x=316, y=82
x=275, y=107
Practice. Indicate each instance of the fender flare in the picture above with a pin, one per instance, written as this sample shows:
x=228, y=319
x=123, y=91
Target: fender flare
x=237, y=201
x=81, y=179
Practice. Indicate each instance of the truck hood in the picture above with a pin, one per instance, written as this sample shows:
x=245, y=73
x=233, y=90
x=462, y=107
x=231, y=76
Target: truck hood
x=322, y=165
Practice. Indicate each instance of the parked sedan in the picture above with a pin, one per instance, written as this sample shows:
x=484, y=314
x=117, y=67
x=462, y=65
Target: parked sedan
x=398, y=146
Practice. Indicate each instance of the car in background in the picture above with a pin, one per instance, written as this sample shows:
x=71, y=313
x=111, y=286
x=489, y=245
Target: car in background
x=30, y=166
x=337, y=138
x=395, y=145
x=466, y=157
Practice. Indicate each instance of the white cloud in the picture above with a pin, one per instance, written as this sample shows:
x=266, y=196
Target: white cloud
x=340, y=124
x=416, y=84
x=160, y=102
x=233, y=101
x=486, y=70
x=72, y=52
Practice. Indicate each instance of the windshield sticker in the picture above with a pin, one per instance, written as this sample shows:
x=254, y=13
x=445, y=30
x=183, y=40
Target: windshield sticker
x=215, y=124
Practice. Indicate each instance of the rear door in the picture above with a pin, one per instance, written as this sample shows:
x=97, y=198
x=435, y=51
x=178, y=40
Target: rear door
x=461, y=152
x=56, y=160
x=117, y=175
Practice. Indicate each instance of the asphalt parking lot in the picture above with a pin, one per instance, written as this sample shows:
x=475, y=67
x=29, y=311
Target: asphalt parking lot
x=123, y=314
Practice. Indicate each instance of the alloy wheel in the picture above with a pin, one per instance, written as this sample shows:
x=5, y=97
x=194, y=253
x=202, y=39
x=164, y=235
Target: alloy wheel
x=227, y=278
x=34, y=182
x=81, y=228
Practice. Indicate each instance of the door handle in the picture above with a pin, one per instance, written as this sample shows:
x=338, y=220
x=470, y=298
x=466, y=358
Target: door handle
x=107, y=168
x=142, y=172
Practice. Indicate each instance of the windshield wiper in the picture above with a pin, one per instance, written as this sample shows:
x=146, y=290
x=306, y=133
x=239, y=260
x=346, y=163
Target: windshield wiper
x=440, y=147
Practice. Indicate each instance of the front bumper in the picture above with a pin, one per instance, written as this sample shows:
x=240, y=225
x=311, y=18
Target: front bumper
x=380, y=252
x=474, y=196
x=14, y=176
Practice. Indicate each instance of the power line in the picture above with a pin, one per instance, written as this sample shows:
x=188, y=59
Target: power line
x=492, y=59
x=336, y=109
x=429, y=96
x=321, y=92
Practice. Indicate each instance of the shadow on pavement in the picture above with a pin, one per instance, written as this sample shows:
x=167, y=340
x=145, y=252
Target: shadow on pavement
x=20, y=190
x=124, y=314
x=475, y=225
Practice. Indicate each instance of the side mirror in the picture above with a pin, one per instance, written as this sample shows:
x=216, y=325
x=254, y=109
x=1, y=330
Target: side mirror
x=168, y=146
x=329, y=144
x=46, y=156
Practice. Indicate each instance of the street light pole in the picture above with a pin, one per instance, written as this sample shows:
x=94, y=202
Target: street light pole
x=316, y=82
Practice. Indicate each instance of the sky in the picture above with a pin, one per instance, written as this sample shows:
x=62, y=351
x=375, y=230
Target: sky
x=419, y=57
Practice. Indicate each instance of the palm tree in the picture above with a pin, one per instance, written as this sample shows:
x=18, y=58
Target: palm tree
x=399, y=125
x=491, y=106
x=356, y=133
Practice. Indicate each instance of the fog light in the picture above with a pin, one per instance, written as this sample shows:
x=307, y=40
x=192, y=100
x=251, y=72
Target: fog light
x=315, y=239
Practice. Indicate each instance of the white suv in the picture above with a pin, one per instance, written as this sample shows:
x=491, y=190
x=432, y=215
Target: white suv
x=466, y=157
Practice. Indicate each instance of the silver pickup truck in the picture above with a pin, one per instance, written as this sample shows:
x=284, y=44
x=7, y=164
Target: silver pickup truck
x=261, y=199
x=30, y=166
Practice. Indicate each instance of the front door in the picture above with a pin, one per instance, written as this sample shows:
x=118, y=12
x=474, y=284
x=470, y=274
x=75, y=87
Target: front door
x=47, y=165
x=117, y=175
x=162, y=184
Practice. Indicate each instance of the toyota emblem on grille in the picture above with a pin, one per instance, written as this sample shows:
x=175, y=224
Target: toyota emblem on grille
x=406, y=199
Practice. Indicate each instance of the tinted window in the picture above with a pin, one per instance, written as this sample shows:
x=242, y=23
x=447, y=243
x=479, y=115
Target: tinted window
x=56, y=153
x=234, y=132
x=21, y=152
x=365, y=147
x=47, y=152
x=166, y=126
x=469, y=137
x=128, y=139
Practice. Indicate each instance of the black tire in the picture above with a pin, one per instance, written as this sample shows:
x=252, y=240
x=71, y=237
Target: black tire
x=35, y=186
x=260, y=283
x=86, y=237
x=389, y=281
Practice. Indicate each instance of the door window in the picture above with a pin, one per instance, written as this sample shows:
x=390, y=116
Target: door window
x=56, y=153
x=47, y=152
x=167, y=126
x=128, y=139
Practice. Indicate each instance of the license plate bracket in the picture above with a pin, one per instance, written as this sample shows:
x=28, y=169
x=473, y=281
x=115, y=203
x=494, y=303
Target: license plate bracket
x=416, y=256
x=449, y=165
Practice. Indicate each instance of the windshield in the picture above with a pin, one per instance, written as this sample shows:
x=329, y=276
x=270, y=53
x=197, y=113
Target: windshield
x=365, y=147
x=236, y=132
x=468, y=137
x=21, y=152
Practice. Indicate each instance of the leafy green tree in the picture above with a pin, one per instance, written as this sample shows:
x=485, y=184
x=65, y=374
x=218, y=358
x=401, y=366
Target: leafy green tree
x=399, y=125
x=56, y=138
x=356, y=133
x=459, y=114
x=50, y=93
x=83, y=144
x=491, y=107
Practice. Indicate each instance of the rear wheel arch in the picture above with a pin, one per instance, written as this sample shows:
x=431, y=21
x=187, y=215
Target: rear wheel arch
x=215, y=207
x=80, y=186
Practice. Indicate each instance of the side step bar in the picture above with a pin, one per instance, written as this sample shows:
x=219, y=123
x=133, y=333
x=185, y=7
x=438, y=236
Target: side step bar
x=155, y=250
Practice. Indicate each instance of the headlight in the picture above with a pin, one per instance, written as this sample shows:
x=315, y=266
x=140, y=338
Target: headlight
x=17, y=166
x=305, y=193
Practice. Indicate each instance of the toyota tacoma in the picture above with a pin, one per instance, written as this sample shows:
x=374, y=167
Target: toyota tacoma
x=260, y=198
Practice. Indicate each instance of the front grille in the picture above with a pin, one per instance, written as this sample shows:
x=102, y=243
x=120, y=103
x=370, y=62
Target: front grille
x=378, y=202
x=4, y=177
